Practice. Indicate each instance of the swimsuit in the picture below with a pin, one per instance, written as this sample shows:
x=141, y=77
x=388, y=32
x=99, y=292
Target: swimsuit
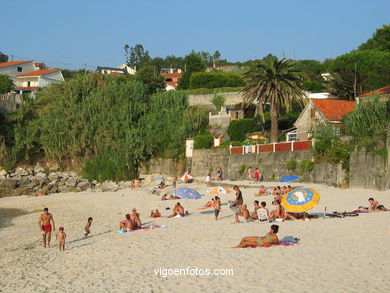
x=46, y=228
x=216, y=212
x=260, y=239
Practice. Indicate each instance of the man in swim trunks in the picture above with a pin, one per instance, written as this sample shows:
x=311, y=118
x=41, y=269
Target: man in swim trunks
x=374, y=204
x=255, y=241
x=217, y=207
x=45, y=226
x=177, y=210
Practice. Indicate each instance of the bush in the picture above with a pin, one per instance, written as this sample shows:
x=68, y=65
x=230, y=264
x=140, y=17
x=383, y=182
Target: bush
x=307, y=165
x=203, y=141
x=291, y=164
x=205, y=91
x=239, y=128
x=218, y=101
x=241, y=170
x=215, y=80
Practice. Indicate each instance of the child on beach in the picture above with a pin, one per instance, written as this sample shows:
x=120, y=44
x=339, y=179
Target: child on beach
x=61, y=236
x=208, y=179
x=88, y=227
x=174, y=182
x=217, y=207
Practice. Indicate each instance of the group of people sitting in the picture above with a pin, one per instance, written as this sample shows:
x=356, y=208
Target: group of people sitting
x=165, y=197
x=375, y=206
x=278, y=191
x=132, y=221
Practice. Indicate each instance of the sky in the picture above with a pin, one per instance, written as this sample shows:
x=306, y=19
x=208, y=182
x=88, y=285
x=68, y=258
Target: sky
x=68, y=34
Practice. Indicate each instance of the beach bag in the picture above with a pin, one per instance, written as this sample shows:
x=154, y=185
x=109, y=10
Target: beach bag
x=234, y=207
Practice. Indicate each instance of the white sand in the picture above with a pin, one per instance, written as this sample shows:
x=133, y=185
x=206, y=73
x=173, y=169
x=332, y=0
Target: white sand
x=335, y=255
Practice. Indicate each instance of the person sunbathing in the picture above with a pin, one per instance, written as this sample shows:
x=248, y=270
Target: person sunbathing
x=243, y=213
x=164, y=197
x=162, y=185
x=293, y=216
x=256, y=241
x=381, y=208
x=210, y=203
x=374, y=204
x=155, y=214
x=177, y=210
x=174, y=197
x=135, y=220
x=289, y=188
x=262, y=191
x=277, y=212
x=283, y=190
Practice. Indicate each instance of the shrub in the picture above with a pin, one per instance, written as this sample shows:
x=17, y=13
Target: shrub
x=291, y=164
x=307, y=165
x=241, y=170
x=218, y=101
x=203, y=141
x=215, y=80
x=239, y=128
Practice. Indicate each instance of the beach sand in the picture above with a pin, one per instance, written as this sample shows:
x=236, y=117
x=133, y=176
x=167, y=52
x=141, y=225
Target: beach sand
x=335, y=255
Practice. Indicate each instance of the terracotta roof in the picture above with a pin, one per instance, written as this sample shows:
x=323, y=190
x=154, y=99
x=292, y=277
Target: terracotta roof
x=12, y=63
x=334, y=110
x=382, y=91
x=27, y=88
x=39, y=72
x=221, y=67
x=171, y=75
x=39, y=63
x=171, y=83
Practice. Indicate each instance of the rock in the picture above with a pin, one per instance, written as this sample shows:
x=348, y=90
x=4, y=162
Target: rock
x=43, y=190
x=21, y=172
x=52, y=187
x=68, y=189
x=7, y=187
x=38, y=169
x=22, y=191
x=109, y=186
x=24, y=180
x=3, y=173
x=72, y=181
x=83, y=185
x=53, y=177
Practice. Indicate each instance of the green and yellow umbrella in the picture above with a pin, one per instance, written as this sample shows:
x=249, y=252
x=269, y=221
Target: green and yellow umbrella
x=300, y=200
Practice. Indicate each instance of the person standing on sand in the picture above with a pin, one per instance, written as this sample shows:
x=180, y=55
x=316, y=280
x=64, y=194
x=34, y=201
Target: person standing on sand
x=239, y=199
x=257, y=175
x=88, y=227
x=44, y=223
x=61, y=236
x=250, y=175
x=217, y=207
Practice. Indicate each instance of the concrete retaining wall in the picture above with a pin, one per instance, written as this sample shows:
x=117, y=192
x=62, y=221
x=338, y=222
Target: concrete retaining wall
x=167, y=167
x=205, y=100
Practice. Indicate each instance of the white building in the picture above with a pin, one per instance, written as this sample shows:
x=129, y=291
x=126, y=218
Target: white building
x=27, y=77
x=29, y=82
x=130, y=70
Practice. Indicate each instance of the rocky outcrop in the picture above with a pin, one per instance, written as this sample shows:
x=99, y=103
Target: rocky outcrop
x=34, y=181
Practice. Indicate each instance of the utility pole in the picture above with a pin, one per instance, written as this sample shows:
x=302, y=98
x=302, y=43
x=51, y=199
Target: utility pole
x=85, y=68
x=12, y=57
x=355, y=83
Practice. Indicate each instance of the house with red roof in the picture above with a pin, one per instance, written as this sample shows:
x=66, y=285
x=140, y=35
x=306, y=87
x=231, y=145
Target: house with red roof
x=317, y=111
x=383, y=93
x=29, y=76
x=172, y=80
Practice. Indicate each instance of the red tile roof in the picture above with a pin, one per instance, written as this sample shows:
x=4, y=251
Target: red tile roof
x=12, y=63
x=333, y=110
x=28, y=88
x=382, y=91
x=172, y=75
x=222, y=67
x=39, y=72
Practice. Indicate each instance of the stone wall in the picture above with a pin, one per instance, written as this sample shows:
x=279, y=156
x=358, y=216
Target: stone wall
x=205, y=100
x=167, y=167
x=367, y=170
x=9, y=102
x=271, y=165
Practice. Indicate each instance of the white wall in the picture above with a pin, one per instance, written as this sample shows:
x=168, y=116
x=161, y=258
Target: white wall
x=23, y=82
x=53, y=77
x=12, y=71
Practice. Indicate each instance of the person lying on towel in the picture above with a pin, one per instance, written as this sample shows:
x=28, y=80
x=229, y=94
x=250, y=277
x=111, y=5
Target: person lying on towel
x=256, y=241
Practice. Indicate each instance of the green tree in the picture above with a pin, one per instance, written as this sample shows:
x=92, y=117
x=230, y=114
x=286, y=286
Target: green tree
x=273, y=81
x=3, y=57
x=152, y=78
x=215, y=79
x=193, y=63
x=380, y=40
x=238, y=129
x=218, y=101
x=6, y=84
x=372, y=70
x=136, y=56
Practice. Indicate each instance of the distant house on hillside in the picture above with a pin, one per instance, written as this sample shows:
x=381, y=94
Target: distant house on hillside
x=317, y=111
x=164, y=71
x=172, y=80
x=40, y=65
x=130, y=70
x=111, y=71
x=27, y=75
x=226, y=68
x=29, y=82
x=384, y=94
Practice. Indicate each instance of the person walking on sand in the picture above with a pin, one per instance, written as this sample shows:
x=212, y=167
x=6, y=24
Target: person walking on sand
x=217, y=207
x=257, y=175
x=88, y=227
x=250, y=175
x=45, y=225
x=61, y=236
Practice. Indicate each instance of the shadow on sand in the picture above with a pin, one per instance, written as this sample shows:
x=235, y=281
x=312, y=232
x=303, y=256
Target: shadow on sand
x=7, y=215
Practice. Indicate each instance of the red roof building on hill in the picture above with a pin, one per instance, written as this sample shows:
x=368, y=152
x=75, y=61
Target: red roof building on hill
x=39, y=72
x=383, y=92
x=13, y=63
x=319, y=111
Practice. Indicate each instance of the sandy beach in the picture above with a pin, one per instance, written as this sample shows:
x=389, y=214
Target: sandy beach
x=335, y=254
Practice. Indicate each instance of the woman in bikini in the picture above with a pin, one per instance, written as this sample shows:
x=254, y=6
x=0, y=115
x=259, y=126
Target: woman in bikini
x=255, y=241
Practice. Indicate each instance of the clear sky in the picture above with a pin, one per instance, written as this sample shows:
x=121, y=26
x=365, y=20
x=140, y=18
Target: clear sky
x=94, y=32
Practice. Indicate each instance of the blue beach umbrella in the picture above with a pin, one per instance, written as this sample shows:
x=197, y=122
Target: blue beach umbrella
x=159, y=178
x=187, y=193
x=289, y=179
x=300, y=200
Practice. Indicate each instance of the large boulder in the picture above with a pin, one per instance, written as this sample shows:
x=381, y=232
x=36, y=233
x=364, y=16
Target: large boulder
x=22, y=190
x=53, y=177
x=21, y=172
x=83, y=184
x=66, y=188
x=52, y=187
x=109, y=186
x=24, y=180
x=7, y=187
x=38, y=169
x=72, y=181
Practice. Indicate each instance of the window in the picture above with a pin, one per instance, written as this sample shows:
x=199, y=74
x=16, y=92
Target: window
x=28, y=83
x=338, y=132
x=20, y=69
x=312, y=113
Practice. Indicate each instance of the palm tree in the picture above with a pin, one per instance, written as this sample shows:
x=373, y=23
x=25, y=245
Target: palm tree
x=274, y=82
